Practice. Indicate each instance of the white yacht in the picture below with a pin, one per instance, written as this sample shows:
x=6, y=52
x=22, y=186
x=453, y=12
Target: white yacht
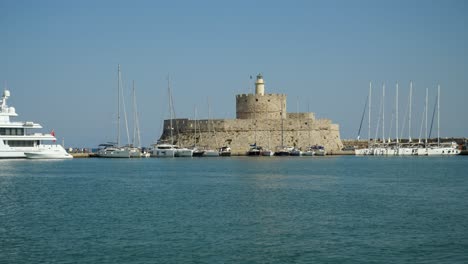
x=295, y=152
x=211, y=153
x=319, y=150
x=164, y=150
x=113, y=151
x=17, y=142
x=267, y=152
x=449, y=148
x=309, y=151
x=116, y=150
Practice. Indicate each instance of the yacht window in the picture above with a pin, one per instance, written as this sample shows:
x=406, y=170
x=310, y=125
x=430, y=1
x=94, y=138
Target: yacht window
x=20, y=143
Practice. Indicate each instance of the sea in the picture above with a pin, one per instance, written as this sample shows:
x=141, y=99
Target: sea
x=336, y=209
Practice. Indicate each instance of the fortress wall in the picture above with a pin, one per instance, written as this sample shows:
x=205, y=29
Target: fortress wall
x=256, y=106
x=239, y=133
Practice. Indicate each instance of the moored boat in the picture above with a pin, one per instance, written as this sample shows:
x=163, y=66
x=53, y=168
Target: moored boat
x=16, y=141
x=48, y=152
x=295, y=152
x=267, y=152
x=225, y=151
x=319, y=150
x=254, y=150
x=283, y=151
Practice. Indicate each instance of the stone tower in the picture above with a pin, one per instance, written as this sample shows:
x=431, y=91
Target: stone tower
x=260, y=105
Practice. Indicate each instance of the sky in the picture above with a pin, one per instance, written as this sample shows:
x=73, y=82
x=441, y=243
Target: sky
x=59, y=60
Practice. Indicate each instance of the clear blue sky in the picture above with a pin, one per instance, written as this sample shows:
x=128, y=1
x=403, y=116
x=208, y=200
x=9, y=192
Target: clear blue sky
x=59, y=59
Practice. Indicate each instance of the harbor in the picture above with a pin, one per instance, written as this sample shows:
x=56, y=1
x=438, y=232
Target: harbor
x=262, y=127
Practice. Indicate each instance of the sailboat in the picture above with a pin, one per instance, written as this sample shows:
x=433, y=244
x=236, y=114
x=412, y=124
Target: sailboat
x=406, y=149
x=296, y=151
x=136, y=143
x=366, y=151
x=268, y=152
x=421, y=147
x=309, y=150
x=450, y=148
x=211, y=152
x=255, y=150
x=282, y=150
x=163, y=149
x=380, y=149
x=115, y=150
x=197, y=152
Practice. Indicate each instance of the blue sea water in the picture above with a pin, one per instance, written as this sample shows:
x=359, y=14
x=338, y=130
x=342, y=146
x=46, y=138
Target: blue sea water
x=235, y=210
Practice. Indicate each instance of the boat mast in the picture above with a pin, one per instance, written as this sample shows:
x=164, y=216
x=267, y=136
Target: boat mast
x=136, y=124
x=281, y=114
x=396, y=112
x=310, y=120
x=298, y=122
x=427, y=92
x=369, y=123
x=212, y=124
x=125, y=115
x=438, y=115
x=195, y=135
x=410, y=105
x=383, y=113
x=170, y=107
x=118, y=105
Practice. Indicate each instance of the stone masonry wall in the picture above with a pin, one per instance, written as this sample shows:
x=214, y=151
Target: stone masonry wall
x=255, y=106
x=240, y=133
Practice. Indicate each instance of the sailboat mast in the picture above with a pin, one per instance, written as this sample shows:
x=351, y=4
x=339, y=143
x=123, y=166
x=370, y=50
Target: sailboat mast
x=134, y=115
x=195, y=121
x=310, y=120
x=438, y=115
x=427, y=96
x=118, y=105
x=282, y=133
x=383, y=113
x=410, y=106
x=369, y=123
x=298, y=121
x=136, y=123
x=170, y=107
x=396, y=112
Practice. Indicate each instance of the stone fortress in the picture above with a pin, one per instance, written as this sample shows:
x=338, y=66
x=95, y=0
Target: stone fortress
x=260, y=118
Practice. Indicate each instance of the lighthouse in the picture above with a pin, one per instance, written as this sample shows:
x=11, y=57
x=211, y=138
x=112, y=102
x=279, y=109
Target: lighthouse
x=259, y=85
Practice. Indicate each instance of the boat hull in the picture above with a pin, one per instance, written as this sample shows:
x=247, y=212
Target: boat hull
x=47, y=155
x=211, y=153
x=308, y=153
x=184, y=153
